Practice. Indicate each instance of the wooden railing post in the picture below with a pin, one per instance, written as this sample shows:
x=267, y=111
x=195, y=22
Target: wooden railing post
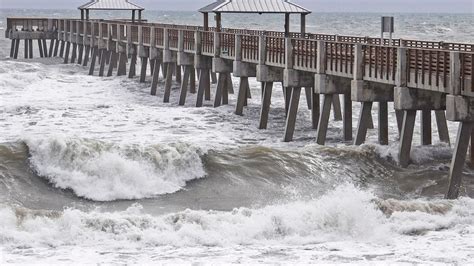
x=321, y=57
x=152, y=37
x=92, y=39
x=129, y=34
x=78, y=30
x=289, y=53
x=140, y=35
x=50, y=25
x=100, y=32
x=262, y=49
x=198, y=42
x=71, y=31
x=403, y=43
x=238, y=47
x=401, y=78
x=166, y=39
x=455, y=73
x=217, y=44
x=358, y=62
x=180, y=41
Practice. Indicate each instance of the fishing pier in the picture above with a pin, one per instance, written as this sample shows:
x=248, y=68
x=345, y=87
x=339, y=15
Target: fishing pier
x=417, y=76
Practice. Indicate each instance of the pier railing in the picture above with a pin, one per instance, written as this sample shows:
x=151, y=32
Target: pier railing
x=429, y=64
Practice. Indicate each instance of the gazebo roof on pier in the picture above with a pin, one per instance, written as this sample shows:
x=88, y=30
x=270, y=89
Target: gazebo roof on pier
x=110, y=5
x=254, y=6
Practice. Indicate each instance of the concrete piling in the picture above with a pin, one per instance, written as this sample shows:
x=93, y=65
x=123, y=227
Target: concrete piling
x=80, y=53
x=156, y=77
x=51, y=47
x=87, y=51
x=93, y=60
x=266, y=102
x=73, y=53
x=56, y=47
x=426, y=133
x=103, y=58
x=61, y=53
x=40, y=48
x=45, y=48
x=66, y=53
x=30, y=48
x=113, y=63
x=12, y=49
x=26, y=49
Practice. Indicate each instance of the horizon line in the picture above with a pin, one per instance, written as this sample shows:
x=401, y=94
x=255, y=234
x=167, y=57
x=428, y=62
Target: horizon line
x=313, y=12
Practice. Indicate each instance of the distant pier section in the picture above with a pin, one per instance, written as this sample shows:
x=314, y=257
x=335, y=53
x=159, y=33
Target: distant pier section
x=423, y=77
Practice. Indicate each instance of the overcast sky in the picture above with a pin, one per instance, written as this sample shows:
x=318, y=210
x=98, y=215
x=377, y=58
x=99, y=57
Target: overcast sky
x=459, y=6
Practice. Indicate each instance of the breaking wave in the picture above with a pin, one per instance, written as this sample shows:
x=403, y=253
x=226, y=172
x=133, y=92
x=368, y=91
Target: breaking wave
x=346, y=213
x=104, y=172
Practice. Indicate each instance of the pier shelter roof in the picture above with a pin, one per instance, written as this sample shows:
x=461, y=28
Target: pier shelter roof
x=255, y=6
x=110, y=5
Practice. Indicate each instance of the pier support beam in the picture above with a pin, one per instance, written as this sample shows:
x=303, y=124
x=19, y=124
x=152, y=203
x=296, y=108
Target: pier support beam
x=40, y=49
x=267, y=75
x=185, y=61
x=412, y=100
x=12, y=49
x=80, y=53
x=367, y=93
x=61, y=52
x=406, y=137
x=45, y=48
x=74, y=53
x=292, y=112
x=30, y=46
x=144, y=54
x=243, y=71
x=51, y=47
x=331, y=87
x=56, y=47
x=66, y=53
x=87, y=51
x=224, y=68
x=103, y=59
x=203, y=65
x=113, y=62
x=294, y=80
x=170, y=59
x=156, y=57
x=26, y=49
x=133, y=66
x=93, y=60
x=266, y=102
x=184, y=85
x=459, y=109
x=443, y=131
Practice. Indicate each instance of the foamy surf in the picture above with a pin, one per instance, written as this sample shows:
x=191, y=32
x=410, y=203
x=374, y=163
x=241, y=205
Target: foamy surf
x=105, y=172
x=345, y=217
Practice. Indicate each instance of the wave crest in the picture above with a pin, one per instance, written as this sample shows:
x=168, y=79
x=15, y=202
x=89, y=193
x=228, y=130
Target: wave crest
x=106, y=172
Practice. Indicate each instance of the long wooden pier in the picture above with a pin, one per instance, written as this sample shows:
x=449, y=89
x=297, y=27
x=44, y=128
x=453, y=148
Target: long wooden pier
x=416, y=75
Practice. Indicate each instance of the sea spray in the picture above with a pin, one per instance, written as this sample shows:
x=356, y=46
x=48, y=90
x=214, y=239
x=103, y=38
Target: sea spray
x=104, y=172
x=345, y=214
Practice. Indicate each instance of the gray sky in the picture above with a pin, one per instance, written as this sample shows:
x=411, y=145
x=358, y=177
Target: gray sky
x=463, y=6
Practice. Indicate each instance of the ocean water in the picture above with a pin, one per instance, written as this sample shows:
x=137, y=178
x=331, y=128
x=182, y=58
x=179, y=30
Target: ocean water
x=95, y=170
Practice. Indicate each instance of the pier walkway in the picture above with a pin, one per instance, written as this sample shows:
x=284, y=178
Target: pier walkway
x=415, y=75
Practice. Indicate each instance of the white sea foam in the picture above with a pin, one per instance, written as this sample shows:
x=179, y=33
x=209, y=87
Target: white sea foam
x=418, y=154
x=344, y=218
x=105, y=172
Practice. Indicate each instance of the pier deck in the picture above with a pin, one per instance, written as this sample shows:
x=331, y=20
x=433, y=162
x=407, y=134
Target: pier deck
x=416, y=75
